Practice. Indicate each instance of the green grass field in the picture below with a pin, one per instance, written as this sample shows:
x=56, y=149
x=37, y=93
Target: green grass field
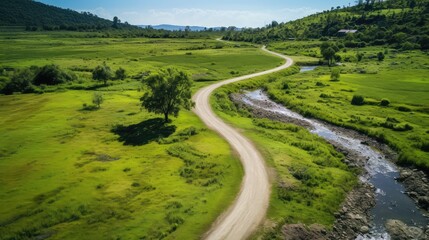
x=401, y=78
x=117, y=172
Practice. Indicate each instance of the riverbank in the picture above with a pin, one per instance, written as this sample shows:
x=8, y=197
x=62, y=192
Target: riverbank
x=352, y=219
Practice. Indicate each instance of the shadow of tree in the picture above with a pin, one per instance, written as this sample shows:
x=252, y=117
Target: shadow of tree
x=144, y=132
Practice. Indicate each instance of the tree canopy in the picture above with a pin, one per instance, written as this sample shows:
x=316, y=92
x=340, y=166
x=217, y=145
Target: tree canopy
x=168, y=90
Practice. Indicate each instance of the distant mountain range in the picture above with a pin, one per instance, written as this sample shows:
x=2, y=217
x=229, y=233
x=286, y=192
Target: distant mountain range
x=178, y=28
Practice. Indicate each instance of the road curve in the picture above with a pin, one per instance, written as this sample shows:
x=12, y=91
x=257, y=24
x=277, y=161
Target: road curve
x=250, y=206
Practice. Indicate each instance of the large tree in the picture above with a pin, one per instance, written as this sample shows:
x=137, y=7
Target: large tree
x=168, y=90
x=328, y=50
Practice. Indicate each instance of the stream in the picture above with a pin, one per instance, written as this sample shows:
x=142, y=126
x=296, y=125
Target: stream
x=391, y=200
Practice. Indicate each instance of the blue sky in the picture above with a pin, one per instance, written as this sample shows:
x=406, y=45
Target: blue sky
x=241, y=13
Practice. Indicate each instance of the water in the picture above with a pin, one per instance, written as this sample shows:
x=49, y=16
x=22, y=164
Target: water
x=307, y=68
x=391, y=202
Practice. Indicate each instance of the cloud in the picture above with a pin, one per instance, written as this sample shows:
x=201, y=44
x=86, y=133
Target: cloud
x=212, y=18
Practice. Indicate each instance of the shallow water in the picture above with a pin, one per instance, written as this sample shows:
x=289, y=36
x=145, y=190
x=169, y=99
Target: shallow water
x=391, y=202
x=307, y=68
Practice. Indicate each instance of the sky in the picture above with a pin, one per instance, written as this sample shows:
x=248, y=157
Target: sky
x=214, y=13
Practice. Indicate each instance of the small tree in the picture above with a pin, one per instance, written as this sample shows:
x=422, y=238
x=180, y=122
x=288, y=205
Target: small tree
x=380, y=56
x=120, y=74
x=335, y=74
x=102, y=73
x=97, y=99
x=168, y=91
x=52, y=75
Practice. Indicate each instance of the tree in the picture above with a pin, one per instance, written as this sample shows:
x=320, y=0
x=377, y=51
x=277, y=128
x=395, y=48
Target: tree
x=116, y=22
x=167, y=92
x=328, y=51
x=120, y=74
x=97, y=99
x=102, y=73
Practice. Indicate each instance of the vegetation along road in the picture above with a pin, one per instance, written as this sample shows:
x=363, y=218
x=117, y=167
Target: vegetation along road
x=249, y=209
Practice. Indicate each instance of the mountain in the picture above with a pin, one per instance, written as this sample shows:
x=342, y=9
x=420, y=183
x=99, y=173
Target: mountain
x=179, y=28
x=399, y=23
x=174, y=27
x=36, y=14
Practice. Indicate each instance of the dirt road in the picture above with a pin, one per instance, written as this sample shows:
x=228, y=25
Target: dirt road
x=250, y=206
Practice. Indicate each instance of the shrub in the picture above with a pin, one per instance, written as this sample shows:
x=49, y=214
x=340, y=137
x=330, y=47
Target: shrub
x=120, y=74
x=21, y=81
x=404, y=109
x=358, y=100
x=285, y=86
x=97, y=99
x=380, y=56
x=52, y=75
x=335, y=74
x=102, y=73
x=385, y=102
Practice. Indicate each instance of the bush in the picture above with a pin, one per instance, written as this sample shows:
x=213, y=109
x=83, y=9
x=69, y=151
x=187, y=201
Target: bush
x=120, y=74
x=358, y=100
x=335, y=74
x=385, y=102
x=380, y=56
x=404, y=109
x=21, y=82
x=52, y=75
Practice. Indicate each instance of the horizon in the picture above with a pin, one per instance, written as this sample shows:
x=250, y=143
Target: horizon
x=223, y=13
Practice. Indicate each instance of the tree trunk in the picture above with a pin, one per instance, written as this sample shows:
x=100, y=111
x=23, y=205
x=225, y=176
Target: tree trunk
x=166, y=117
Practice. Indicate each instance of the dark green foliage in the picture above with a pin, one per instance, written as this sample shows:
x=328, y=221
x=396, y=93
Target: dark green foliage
x=380, y=56
x=378, y=23
x=120, y=74
x=168, y=91
x=358, y=100
x=385, y=102
x=404, y=109
x=328, y=50
x=36, y=15
x=52, y=75
x=21, y=81
x=102, y=73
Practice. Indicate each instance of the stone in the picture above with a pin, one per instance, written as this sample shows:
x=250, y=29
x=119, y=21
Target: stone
x=364, y=229
x=400, y=231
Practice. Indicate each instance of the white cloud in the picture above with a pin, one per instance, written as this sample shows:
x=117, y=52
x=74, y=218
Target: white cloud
x=101, y=12
x=213, y=18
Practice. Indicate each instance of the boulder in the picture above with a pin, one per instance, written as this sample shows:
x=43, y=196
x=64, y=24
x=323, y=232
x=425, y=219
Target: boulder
x=401, y=231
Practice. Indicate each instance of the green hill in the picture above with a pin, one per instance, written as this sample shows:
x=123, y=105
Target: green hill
x=401, y=23
x=35, y=15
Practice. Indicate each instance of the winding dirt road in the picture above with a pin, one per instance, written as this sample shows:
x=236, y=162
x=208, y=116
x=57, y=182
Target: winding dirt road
x=250, y=206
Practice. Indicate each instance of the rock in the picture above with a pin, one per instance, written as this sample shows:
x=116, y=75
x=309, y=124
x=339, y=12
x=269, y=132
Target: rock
x=364, y=229
x=400, y=231
x=424, y=202
x=413, y=194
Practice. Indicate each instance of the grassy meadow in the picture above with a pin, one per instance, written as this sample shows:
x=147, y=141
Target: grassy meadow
x=401, y=78
x=117, y=172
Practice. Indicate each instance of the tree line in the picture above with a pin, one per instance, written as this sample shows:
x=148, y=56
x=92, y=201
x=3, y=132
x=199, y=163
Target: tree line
x=399, y=23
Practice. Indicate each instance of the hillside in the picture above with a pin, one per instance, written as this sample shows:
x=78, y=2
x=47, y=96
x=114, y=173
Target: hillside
x=34, y=14
x=403, y=24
